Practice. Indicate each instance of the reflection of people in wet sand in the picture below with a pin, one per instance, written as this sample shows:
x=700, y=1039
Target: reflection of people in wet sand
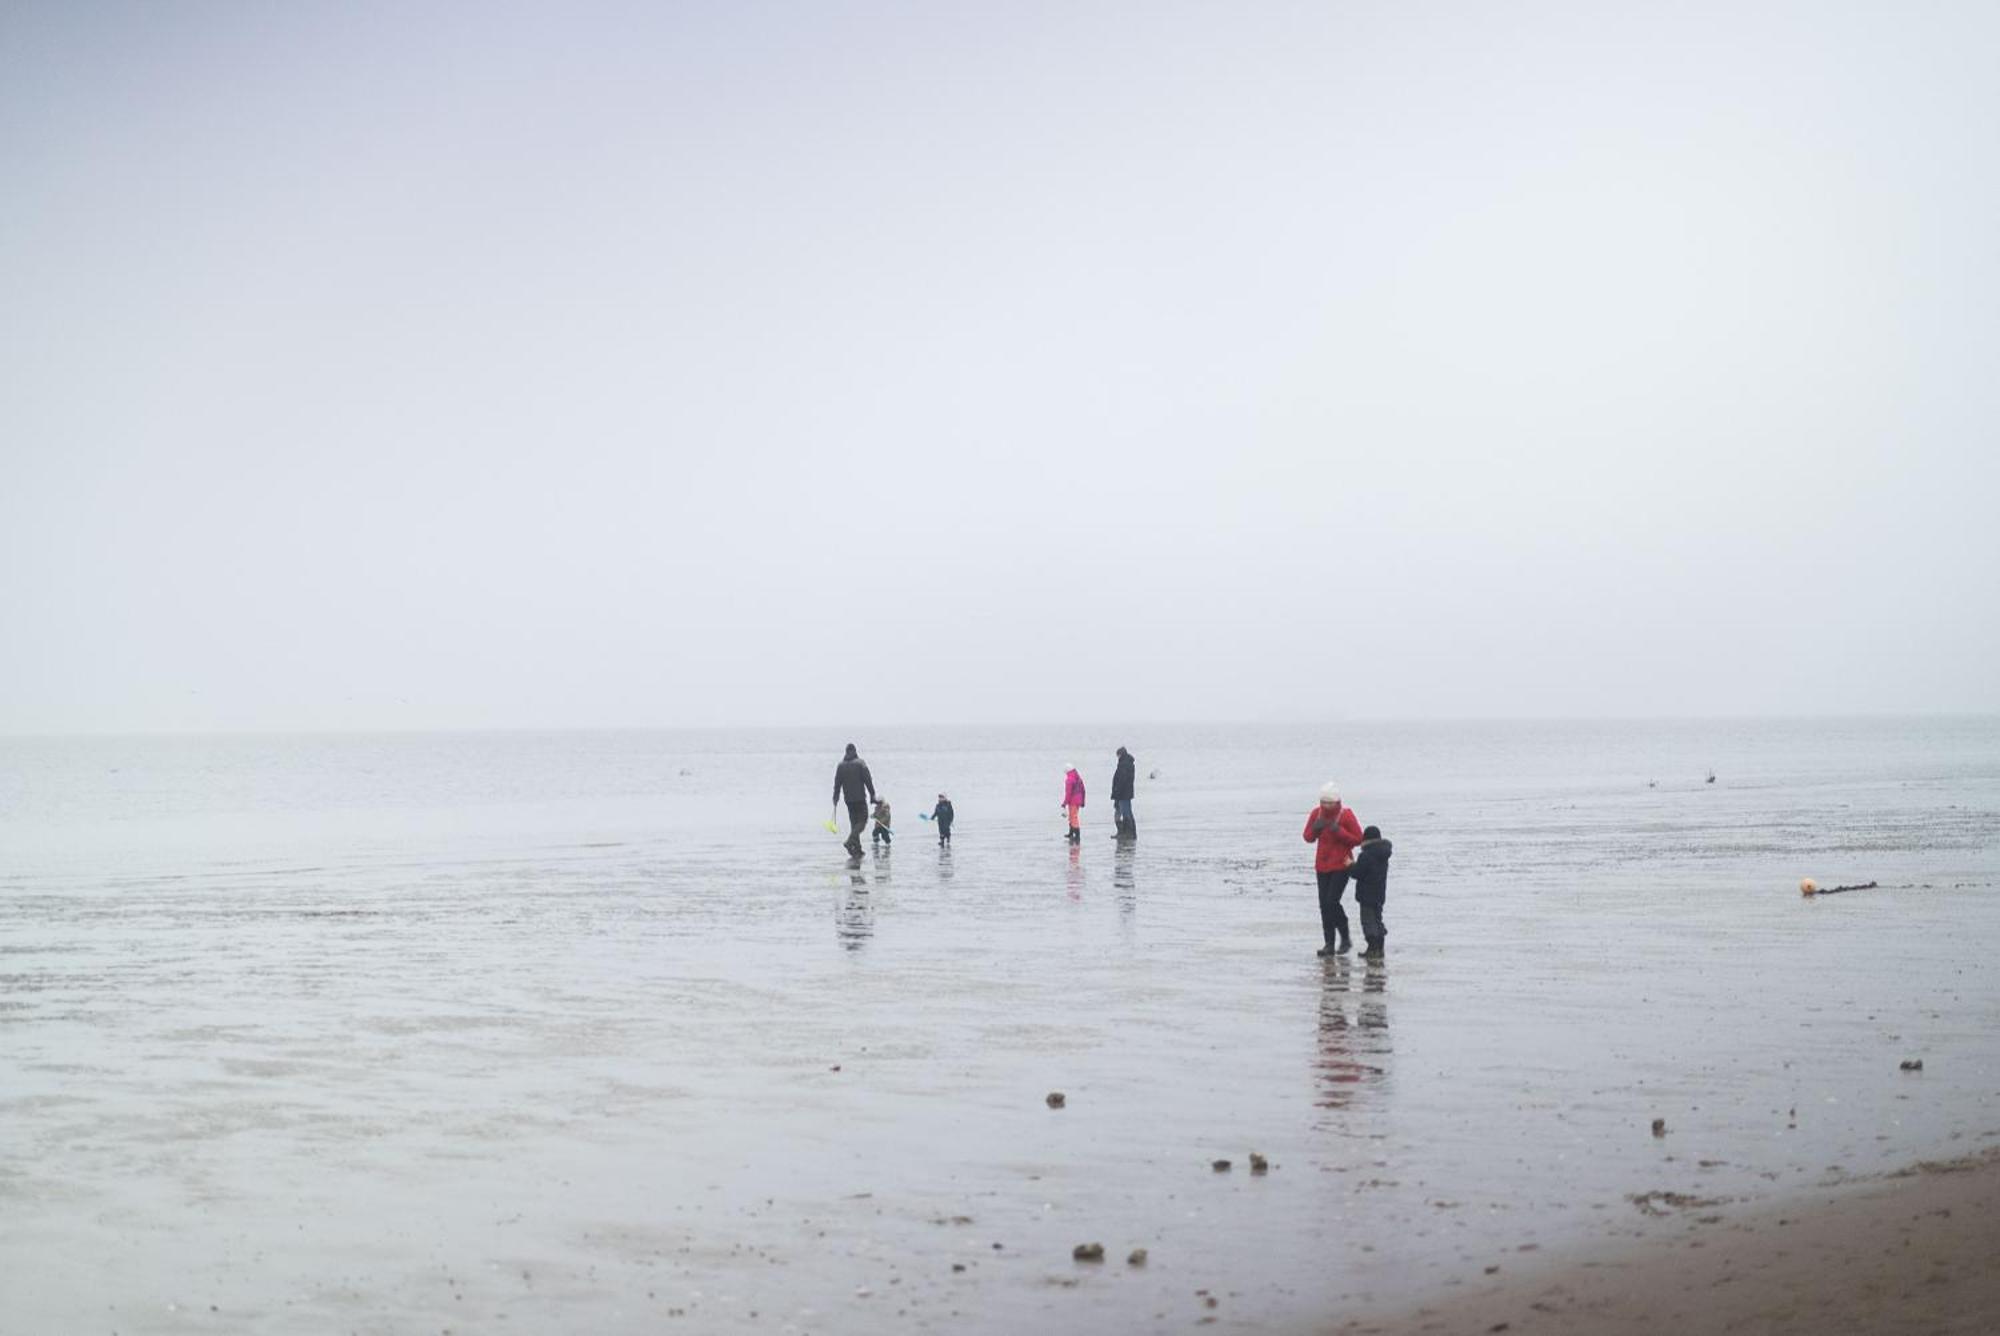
x=854, y=921
x=1335, y=830
x=1346, y=1043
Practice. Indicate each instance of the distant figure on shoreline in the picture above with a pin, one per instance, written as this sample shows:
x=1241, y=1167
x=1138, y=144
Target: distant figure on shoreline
x=1073, y=804
x=1335, y=830
x=1121, y=795
x=942, y=814
x=852, y=782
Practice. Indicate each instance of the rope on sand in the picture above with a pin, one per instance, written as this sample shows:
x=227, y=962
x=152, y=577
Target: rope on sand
x=1809, y=887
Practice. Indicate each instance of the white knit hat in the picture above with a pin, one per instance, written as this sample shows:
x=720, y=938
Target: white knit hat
x=1329, y=792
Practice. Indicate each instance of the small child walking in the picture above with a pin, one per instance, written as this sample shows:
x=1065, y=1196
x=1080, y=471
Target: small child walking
x=882, y=835
x=942, y=815
x=1371, y=887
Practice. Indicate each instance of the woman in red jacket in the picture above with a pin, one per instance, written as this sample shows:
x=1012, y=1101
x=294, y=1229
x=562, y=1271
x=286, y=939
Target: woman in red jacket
x=1335, y=830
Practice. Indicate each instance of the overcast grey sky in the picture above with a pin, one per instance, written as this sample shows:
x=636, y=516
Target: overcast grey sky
x=483, y=365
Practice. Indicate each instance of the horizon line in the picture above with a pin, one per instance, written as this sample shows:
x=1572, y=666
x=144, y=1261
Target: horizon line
x=862, y=728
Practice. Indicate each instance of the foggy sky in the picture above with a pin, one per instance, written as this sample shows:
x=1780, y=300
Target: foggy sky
x=487, y=366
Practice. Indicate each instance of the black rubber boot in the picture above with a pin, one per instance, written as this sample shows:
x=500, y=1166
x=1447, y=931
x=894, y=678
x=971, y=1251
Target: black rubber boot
x=1346, y=943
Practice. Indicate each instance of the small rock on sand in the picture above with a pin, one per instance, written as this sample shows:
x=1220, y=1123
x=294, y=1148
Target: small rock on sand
x=1088, y=1252
x=1057, y=1099
x=1220, y=1166
x=1912, y=1065
x=1659, y=1127
x=1258, y=1164
x=1138, y=1257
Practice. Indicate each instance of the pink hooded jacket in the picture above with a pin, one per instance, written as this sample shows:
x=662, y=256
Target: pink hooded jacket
x=1072, y=790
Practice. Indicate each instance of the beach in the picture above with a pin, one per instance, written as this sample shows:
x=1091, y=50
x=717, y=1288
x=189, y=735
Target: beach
x=1906, y=1252
x=602, y=1032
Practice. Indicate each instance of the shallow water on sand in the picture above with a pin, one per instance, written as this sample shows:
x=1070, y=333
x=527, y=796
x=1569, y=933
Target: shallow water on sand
x=600, y=1032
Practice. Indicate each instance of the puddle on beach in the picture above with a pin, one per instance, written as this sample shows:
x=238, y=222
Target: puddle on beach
x=477, y=1062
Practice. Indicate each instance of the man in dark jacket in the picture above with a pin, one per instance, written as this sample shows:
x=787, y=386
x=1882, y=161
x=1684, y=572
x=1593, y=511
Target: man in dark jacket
x=1371, y=887
x=852, y=782
x=1121, y=795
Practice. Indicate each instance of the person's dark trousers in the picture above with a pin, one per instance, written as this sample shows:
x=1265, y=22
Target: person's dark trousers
x=882, y=835
x=857, y=817
x=1372, y=928
x=944, y=832
x=1332, y=918
x=1128, y=829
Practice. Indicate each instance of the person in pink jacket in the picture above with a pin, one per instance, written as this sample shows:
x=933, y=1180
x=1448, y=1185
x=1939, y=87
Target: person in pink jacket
x=1073, y=804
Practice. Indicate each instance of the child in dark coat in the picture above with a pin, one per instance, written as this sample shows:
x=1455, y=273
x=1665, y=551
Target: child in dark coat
x=942, y=815
x=1371, y=887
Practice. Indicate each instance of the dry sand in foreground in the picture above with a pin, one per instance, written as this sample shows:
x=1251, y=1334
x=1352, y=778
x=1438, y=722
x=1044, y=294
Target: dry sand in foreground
x=1917, y=1251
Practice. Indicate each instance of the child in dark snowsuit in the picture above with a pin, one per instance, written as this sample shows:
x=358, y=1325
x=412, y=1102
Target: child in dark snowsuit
x=882, y=835
x=942, y=815
x=1371, y=887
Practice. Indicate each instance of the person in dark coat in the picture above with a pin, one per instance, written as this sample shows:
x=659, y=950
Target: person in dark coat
x=942, y=814
x=853, y=783
x=1370, y=871
x=1121, y=795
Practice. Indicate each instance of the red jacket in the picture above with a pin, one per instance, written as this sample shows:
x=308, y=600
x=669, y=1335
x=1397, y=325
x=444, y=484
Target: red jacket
x=1336, y=839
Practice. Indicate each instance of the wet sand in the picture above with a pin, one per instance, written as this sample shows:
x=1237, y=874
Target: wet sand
x=1911, y=1253
x=566, y=1033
